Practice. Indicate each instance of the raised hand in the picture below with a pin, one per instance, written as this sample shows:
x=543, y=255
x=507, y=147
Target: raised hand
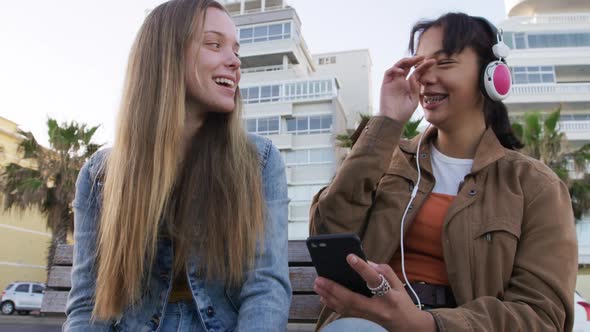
x=400, y=96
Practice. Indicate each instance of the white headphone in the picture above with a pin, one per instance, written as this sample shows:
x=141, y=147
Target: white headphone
x=496, y=78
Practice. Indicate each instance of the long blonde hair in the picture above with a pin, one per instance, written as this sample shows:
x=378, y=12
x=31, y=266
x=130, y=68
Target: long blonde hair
x=209, y=193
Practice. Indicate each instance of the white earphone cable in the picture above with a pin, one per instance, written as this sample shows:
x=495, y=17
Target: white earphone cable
x=413, y=195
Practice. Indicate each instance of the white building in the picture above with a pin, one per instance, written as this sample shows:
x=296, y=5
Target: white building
x=288, y=99
x=550, y=62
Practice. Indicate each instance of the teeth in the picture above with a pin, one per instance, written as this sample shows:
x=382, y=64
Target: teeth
x=433, y=99
x=222, y=80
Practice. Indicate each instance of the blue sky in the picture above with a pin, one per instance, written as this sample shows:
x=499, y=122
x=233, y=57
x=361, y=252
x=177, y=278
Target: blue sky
x=67, y=58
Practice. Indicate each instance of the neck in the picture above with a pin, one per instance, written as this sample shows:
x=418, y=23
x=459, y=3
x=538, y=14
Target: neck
x=461, y=142
x=192, y=121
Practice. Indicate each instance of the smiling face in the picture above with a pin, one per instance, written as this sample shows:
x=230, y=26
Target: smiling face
x=449, y=91
x=212, y=67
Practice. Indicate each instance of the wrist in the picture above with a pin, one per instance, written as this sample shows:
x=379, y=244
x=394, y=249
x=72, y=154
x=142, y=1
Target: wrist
x=393, y=115
x=426, y=322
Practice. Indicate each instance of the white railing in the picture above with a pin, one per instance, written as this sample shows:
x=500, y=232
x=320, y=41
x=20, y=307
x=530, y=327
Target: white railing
x=257, y=10
x=552, y=19
x=265, y=69
x=575, y=126
x=294, y=91
x=544, y=89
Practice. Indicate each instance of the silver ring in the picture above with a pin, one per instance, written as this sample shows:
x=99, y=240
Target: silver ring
x=383, y=287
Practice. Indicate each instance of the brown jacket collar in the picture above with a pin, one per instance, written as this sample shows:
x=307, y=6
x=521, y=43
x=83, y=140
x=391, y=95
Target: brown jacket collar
x=488, y=150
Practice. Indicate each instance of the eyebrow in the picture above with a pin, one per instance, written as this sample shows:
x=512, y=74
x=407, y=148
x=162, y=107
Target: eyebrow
x=236, y=44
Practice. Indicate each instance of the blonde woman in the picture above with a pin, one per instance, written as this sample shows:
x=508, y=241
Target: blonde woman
x=182, y=225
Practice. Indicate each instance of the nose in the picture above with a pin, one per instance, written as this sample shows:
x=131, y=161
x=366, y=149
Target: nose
x=233, y=61
x=429, y=76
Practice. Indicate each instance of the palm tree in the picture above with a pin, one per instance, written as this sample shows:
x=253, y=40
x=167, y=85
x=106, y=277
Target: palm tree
x=50, y=186
x=544, y=141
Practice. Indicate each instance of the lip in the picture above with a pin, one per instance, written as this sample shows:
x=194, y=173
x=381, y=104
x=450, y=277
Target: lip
x=231, y=91
x=229, y=77
x=432, y=106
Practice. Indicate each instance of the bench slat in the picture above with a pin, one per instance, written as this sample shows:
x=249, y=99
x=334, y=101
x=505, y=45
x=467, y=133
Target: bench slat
x=298, y=252
x=59, y=277
x=303, y=307
x=63, y=254
x=302, y=278
x=54, y=301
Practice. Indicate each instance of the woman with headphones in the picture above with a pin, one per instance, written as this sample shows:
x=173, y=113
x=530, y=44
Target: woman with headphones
x=465, y=233
x=182, y=225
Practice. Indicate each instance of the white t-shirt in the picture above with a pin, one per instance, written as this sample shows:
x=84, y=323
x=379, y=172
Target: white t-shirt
x=448, y=172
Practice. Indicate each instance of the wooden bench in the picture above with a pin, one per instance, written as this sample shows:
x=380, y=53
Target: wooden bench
x=305, y=306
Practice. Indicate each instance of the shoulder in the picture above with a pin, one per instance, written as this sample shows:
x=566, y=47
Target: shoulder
x=268, y=153
x=528, y=168
x=96, y=162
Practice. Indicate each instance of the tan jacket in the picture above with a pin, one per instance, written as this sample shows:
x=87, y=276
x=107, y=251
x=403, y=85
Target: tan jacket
x=509, y=239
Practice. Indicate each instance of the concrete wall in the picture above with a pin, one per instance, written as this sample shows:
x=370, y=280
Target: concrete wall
x=353, y=71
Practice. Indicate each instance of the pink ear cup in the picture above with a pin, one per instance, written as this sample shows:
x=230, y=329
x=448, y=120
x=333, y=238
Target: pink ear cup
x=497, y=80
x=502, y=79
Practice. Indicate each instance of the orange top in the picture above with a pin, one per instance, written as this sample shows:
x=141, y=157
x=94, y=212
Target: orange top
x=423, y=252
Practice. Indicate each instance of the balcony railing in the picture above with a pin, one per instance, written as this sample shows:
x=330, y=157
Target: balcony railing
x=551, y=19
x=264, y=69
x=544, y=89
x=301, y=90
x=575, y=126
x=235, y=12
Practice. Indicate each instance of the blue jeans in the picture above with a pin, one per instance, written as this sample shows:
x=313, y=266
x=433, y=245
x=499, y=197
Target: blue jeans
x=181, y=316
x=353, y=325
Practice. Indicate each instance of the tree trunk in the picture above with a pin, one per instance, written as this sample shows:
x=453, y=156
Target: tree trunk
x=59, y=232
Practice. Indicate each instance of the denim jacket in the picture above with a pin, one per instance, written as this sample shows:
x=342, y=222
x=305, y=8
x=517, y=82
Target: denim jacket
x=260, y=304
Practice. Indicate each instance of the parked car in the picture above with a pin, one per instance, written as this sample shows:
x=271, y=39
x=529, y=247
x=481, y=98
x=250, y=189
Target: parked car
x=22, y=297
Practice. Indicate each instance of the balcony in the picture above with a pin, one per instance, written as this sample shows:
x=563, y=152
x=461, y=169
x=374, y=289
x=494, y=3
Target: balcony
x=565, y=19
x=544, y=7
x=282, y=141
x=549, y=93
x=576, y=130
x=291, y=91
x=558, y=56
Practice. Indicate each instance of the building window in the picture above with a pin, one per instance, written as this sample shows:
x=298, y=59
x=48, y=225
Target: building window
x=551, y=40
x=306, y=125
x=327, y=60
x=309, y=157
x=262, y=33
x=533, y=75
x=308, y=89
x=261, y=94
x=263, y=126
x=303, y=193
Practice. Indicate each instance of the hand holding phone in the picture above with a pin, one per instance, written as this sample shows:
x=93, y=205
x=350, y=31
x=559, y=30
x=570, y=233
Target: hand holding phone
x=328, y=255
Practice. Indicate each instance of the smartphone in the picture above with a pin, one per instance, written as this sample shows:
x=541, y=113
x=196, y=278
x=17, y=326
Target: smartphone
x=328, y=255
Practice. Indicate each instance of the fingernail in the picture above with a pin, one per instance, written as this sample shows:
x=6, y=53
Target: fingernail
x=352, y=259
x=318, y=281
